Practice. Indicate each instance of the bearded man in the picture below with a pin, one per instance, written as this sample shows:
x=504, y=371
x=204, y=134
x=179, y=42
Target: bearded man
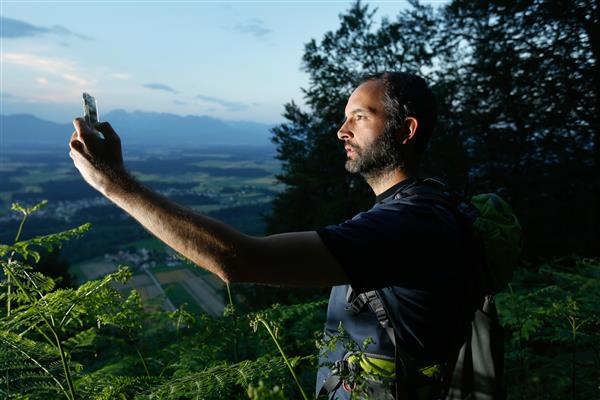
x=414, y=252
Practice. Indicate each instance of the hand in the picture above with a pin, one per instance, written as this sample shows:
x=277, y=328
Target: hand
x=99, y=160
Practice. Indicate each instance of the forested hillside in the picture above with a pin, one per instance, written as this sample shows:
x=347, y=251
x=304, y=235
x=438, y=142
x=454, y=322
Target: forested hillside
x=518, y=86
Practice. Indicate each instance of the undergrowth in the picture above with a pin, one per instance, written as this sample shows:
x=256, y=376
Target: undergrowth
x=97, y=342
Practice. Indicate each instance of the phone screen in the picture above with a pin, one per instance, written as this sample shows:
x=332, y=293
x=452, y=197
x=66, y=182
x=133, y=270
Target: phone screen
x=90, y=110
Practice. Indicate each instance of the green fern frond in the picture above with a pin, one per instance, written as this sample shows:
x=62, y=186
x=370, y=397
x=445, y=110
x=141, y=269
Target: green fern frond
x=82, y=339
x=29, y=366
x=26, y=247
x=110, y=387
x=129, y=316
x=32, y=284
x=28, y=210
x=222, y=381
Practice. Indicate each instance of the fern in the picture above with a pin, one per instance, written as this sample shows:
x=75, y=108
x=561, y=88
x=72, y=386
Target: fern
x=552, y=317
x=41, y=310
x=91, y=342
x=224, y=380
x=49, y=242
x=28, y=366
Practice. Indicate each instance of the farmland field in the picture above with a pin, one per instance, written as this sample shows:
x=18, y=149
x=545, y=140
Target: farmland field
x=233, y=184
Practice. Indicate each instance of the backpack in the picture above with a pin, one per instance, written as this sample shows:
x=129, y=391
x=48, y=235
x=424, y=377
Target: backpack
x=493, y=242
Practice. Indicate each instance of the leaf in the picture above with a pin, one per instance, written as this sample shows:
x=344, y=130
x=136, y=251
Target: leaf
x=47, y=241
x=29, y=210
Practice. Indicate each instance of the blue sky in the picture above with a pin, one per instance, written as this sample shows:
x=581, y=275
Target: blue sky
x=230, y=60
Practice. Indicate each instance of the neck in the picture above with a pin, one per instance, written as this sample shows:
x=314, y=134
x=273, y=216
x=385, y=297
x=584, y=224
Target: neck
x=384, y=180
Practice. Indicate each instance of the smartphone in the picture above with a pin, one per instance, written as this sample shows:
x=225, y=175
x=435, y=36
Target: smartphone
x=90, y=112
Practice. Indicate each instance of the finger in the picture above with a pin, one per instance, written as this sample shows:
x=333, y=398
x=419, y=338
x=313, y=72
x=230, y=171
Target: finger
x=79, y=162
x=74, y=157
x=108, y=132
x=80, y=125
x=78, y=153
x=78, y=146
x=83, y=129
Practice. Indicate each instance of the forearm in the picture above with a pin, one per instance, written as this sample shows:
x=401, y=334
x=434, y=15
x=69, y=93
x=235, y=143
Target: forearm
x=291, y=259
x=205, y=241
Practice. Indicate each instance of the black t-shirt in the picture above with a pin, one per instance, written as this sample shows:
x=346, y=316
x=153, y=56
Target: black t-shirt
x=413, y=251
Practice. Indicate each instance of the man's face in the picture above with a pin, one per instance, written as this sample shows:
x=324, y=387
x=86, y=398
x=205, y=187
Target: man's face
x=371, y=149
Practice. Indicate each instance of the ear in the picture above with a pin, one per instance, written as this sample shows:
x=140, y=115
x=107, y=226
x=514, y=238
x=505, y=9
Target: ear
x=411, y=124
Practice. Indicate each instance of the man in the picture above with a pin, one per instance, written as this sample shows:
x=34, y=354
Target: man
x=388, y=121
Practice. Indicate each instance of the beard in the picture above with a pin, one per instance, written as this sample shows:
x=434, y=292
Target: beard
x=382, y=156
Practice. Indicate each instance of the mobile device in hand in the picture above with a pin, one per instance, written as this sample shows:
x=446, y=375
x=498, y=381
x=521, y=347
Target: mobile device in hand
x=90, y=112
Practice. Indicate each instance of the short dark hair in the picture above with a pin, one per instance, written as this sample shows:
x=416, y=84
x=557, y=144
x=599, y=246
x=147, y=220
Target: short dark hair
x=407, y=95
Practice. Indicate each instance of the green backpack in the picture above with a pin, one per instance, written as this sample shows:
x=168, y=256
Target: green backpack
x=493, y=247
x=502, y=238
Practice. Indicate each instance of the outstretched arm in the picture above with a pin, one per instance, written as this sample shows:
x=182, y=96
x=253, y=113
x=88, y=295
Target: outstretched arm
x=289, y=259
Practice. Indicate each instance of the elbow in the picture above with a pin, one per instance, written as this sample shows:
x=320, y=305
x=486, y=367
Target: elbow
x=230, y=270
x=228, y=277
x=231, y=263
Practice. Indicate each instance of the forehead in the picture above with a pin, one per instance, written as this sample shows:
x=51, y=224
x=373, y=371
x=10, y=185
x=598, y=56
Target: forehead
x=368, y=96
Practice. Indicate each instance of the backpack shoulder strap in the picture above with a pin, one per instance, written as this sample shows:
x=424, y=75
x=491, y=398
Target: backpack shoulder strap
x=405, y=366
x=428, y=191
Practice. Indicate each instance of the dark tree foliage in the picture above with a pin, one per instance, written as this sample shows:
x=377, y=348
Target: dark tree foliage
x=518, y=91
x=525, y=92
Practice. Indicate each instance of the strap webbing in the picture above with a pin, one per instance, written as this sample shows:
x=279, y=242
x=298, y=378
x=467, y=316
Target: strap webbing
x=333, y=382
x=405, y=367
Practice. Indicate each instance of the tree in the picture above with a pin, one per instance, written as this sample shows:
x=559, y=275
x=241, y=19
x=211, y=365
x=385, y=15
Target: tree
x=525, y=84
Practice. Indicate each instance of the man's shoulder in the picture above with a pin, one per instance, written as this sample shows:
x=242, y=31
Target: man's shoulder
x=421, y=196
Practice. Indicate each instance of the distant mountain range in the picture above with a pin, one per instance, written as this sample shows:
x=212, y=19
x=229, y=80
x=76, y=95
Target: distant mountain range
x=140, y=129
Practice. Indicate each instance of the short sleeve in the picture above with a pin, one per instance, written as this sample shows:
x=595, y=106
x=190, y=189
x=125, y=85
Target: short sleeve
x=395, y=244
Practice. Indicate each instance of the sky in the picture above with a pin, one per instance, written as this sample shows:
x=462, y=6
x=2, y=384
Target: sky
x=231, y=60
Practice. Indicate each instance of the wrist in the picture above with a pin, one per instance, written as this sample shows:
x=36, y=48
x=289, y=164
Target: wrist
x=118, y=181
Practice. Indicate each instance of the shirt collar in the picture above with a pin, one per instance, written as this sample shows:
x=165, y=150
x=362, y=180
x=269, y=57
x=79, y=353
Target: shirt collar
x=394, y=189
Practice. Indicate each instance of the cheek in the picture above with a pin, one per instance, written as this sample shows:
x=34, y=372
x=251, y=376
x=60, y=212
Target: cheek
x=371, y=138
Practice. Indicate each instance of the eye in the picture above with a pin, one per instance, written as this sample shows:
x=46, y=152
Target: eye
x=359, y=117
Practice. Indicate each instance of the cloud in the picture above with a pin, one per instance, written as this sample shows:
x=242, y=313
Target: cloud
x=120, y=76
x=229, y=105
x=62, y=68
x=179, y=102
x=13, y=28
x=254, y=27
x=74, y=78
x=61, y=30
x=160, y=86
x=42, y=81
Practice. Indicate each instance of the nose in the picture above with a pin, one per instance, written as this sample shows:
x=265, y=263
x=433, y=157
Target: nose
x=344, y=132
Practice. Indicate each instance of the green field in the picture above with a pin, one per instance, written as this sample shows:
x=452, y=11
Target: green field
x=236, y=187
x=180, y=297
